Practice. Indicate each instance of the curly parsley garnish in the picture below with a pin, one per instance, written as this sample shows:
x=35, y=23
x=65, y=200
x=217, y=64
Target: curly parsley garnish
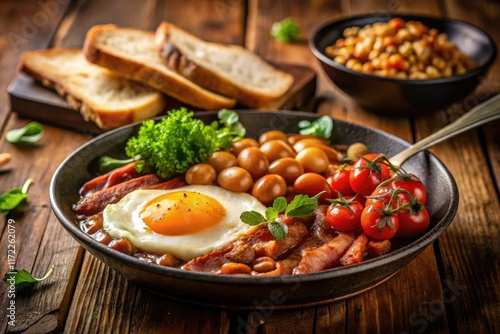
x=169, y=147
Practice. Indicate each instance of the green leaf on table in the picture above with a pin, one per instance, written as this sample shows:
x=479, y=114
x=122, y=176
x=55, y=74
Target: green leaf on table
x=21, y=276
x=28, y=134
x=11, y=199
x=286, y=30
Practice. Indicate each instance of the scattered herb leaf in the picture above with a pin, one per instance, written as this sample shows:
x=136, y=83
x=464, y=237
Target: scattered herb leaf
x=300, y=206
x=11, y=199
x=321, y=127
x=28, y=134
x=21, y=276
x=286, y=30
x=107, y=163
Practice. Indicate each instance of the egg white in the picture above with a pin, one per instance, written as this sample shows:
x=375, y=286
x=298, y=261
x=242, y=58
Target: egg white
x=122, y=220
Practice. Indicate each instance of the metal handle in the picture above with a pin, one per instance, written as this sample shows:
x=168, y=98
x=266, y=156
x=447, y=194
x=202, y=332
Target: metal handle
x=480, y=114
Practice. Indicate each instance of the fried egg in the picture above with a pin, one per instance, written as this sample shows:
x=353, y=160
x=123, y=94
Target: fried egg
x=185, y=222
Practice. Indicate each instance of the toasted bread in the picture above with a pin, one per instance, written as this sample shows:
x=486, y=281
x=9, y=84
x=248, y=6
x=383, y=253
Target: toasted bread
x=131, y=53
x=230, y=70
x=101, y=97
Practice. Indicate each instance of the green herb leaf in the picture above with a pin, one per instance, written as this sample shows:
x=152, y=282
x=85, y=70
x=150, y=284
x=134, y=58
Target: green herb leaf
x=28, y=134
x=278, y=230
x=286, y=30
x=232, y=130
x=11, y=199
x=321, y=127
x=228, y=117
x=252, y=218
x=21, y=276
x=107, y=164
x=279, y=205
x=302, y=206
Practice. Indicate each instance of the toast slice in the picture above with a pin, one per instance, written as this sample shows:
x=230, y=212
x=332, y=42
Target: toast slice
x=101, y=97
x=131, y=53
x=230, y=70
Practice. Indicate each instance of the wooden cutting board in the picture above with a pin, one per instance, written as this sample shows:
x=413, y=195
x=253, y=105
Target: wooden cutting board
x=31, y=100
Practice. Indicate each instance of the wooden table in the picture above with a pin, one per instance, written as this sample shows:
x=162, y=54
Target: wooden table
x=452, y=287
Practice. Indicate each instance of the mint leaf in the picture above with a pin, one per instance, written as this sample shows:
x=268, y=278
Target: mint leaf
x=278, y=230
x=20, y=276
x=252, y=218
x=28, y=134
x=302, y=206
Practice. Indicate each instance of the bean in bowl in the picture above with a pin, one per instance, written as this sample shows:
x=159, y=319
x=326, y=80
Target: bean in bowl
x=399, y=49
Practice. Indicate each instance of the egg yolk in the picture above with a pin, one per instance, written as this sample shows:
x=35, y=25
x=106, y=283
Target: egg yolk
x=181, y=213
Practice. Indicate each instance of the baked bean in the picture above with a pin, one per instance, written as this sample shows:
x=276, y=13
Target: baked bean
x=276, y=149
x=123, y=245
x=272, y=135
x=167, y=260
x=222, y=160
x=263, y=264
x=232, y=268
x=241, y=144
x=332, y=154
x=313, y=159
x=268, y=188
x=254, y=161
x=235, y=179
x=399, y=49
x=356, y=150
x=200, y=174
x=288, y=168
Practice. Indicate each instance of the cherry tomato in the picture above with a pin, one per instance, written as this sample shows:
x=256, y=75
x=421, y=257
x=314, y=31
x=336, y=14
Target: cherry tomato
x=344, y=217
x=413, y=185
x=376, y=224
x=340, y=182
x=367, y=173
x=413, y=223
x=311, y=184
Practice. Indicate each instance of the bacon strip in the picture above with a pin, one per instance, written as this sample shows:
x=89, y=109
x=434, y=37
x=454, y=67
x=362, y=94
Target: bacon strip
x=262, y=241
x=321, y=228
x=109, y=179
x=376, y=248
x=97, y=201
x=356, y=252
x=325, y=256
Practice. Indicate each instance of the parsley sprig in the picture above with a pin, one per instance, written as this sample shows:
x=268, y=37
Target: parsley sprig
x=300, y=206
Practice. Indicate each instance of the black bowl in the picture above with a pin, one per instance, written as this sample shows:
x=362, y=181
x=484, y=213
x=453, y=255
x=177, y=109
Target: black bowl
x=258, y=292
x=397, y=97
